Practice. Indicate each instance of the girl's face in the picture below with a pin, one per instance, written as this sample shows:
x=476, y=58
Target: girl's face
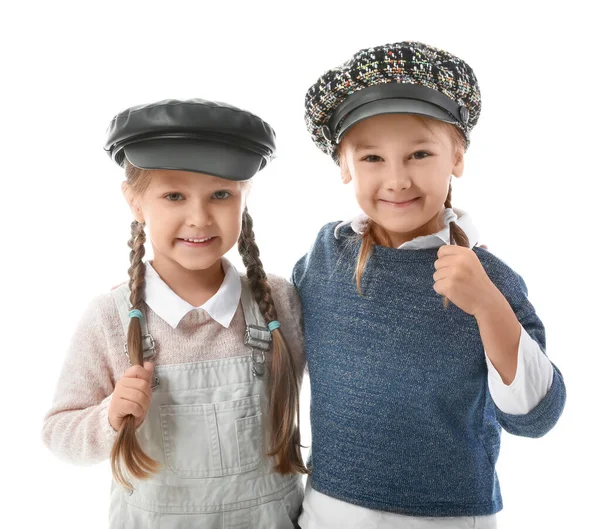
x=192, y=219
x=401, y=167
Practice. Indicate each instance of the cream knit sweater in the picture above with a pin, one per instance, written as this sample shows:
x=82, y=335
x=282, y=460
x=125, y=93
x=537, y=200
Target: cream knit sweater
x=77, y=429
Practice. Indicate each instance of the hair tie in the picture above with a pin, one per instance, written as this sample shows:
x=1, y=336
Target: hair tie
x=449, y=216
x=136, y=313
x=274, y=325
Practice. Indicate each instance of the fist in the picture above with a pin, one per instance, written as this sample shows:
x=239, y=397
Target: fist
x=132, y=395
x=462, y=279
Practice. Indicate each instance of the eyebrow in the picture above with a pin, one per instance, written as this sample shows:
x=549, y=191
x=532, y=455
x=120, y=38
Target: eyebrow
x=364, y=147
x=170, y=186
x=367, y=146
x=420, y=141
x=181, y=182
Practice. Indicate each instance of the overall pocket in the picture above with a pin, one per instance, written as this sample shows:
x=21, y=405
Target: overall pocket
x=212, y=440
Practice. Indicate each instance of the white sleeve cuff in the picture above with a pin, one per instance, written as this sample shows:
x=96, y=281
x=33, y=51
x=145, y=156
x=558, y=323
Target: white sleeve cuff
x=532, y=380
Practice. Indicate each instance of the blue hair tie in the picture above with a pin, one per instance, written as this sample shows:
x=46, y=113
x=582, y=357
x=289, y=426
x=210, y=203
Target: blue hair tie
x=274, y=325
x=136, y=313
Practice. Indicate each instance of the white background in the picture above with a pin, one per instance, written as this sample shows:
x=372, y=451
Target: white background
x=531, y=185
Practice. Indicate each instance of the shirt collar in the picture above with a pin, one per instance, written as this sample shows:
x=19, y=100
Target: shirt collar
x=435, y=240
x=172, y=309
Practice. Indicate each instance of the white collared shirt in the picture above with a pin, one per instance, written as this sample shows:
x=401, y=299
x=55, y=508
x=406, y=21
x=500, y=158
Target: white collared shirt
x=221, y=307
x=424, y=242
x=534, y=373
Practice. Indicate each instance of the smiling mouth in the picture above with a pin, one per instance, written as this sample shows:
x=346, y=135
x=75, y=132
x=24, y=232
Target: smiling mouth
x=197, y=240
x=400, y=204
x=196, y=243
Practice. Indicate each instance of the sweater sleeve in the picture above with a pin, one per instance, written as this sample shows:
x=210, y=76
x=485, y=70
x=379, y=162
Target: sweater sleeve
x=542, y=418
x=532, y=381
x=76, y=427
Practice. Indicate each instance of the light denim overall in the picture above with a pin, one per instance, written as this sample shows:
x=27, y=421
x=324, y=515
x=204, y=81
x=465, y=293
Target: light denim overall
x=206, y=427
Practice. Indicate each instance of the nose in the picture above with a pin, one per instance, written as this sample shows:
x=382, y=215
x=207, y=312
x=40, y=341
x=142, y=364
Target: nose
x=198, y=215
x=397, y=177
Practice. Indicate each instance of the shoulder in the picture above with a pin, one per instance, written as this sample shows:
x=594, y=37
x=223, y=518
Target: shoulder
x=101, y=312
x=289, y=313
x=102, y=305
x=501, y=274
x=337, y=230
x=97, y=327
x=283, y=291
x=331, y=243
x=279, y=283
x=333, y=231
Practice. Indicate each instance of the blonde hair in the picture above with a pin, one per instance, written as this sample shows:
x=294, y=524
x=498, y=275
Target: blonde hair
x=374, y=235
x=127, y=456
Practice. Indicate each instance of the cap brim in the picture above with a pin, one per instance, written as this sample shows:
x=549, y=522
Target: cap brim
x=213, y=158
x=393, y=106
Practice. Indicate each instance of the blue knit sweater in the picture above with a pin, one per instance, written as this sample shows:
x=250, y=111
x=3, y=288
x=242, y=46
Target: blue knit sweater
x=401, y=416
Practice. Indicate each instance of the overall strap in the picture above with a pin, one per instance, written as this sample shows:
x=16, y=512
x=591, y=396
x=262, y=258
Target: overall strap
x=121, y=297
x=258, y=336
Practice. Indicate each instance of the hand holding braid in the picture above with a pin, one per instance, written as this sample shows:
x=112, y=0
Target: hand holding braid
x=459, y=275
x=127, y=456
x=283, y=387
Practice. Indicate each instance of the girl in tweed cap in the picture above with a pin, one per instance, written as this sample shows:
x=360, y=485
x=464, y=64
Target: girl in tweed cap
x=421, y=346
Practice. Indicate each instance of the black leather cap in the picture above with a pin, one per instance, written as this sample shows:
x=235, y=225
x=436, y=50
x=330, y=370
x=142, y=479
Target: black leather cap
x=395, y=98
x=192, y=135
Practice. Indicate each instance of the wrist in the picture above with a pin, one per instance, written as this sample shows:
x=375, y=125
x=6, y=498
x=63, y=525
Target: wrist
x=492, y=304
x=108, y=427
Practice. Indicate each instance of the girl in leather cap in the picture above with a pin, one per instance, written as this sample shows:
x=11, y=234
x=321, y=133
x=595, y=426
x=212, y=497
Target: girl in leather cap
x=187, y=378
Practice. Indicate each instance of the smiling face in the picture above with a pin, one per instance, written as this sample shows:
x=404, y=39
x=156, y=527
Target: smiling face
x=192, y=219
x=401, y=167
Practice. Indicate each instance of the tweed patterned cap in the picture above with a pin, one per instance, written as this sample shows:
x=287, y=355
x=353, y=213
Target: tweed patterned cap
x=405, y=77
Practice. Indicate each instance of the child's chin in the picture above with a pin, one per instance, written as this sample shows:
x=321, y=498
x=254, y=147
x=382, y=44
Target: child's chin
x=197, y=265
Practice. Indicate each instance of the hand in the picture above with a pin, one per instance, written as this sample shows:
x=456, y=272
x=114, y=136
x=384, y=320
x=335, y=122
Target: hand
x=132, y=395
x=462, y=279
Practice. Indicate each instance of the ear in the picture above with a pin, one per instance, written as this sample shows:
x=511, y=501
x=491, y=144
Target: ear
x=344, y=170
x=459, y=164
x=246, y=187
x=132, y=202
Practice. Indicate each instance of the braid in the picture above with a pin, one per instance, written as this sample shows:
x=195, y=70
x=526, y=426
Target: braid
x=372, y=235
x=136, y=286
x=254, y=268
x=366, y=247
x=137, y=268
x=283, y=386
x=127, y=456
x=457, y=235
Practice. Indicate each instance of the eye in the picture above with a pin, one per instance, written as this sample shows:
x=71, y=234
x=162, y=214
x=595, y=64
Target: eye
x=221, y=195
x=420, y=155
x=372, y=158
x=174, y=197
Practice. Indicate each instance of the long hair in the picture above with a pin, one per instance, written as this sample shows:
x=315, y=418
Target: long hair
x=127, y=459
x=283, y=380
